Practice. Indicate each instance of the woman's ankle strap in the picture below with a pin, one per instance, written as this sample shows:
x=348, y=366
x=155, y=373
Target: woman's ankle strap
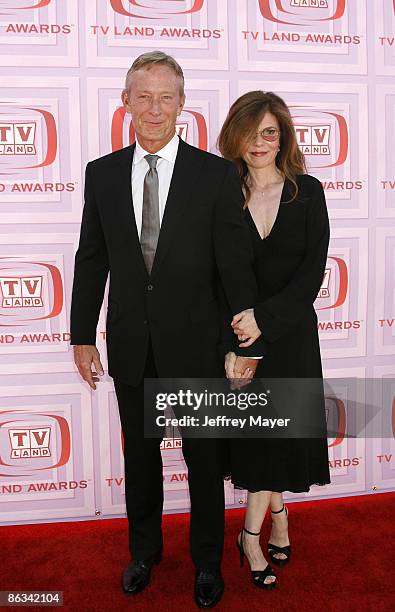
x=278, y=511
x=251, y=532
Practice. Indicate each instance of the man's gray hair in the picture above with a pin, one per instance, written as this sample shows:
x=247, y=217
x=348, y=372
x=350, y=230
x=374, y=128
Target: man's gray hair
x=155, y=58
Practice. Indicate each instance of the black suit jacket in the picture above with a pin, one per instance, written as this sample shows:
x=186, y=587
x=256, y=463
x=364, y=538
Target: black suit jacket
x=204, y=245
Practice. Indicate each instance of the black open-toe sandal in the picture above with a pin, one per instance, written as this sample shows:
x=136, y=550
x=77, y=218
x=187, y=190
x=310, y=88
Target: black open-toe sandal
x=273, y=549
x=258, y=576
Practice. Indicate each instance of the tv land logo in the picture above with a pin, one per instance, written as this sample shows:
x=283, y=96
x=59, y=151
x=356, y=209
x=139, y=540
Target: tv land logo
x=306, y=12
x=32, y=442
x=28, y=137
x=324, y=290
x=310, y=3
x=182, y=130
x=171, y=443
x=171, y=440
x=23, y=292
x=156, y=9
x=334, y=287
x=17, y=138
x=191, y=127
x=327, y=137
x=314, y=139
x=28, y=286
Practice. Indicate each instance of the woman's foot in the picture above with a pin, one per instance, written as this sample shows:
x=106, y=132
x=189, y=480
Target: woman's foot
x=252, y=549
x=279, y=536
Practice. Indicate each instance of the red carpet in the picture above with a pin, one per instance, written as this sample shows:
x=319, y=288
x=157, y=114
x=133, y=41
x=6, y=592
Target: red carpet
x=343, y=560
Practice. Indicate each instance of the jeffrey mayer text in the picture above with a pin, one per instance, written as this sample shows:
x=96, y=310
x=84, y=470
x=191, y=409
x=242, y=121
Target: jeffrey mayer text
x=220, y=421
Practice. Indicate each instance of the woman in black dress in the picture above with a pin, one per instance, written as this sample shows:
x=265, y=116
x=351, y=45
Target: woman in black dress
x=286, y=213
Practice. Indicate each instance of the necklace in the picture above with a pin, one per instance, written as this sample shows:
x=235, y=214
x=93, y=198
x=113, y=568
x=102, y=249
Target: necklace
x=259, y=189
x=262, y=189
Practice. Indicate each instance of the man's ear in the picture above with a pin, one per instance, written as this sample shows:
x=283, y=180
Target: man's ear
x=182, y=102
x=125, y=99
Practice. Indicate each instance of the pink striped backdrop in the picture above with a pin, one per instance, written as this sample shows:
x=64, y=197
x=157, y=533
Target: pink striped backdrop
x=62, y=69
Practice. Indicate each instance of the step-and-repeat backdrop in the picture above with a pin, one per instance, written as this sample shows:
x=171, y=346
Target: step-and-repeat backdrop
x=63, y=64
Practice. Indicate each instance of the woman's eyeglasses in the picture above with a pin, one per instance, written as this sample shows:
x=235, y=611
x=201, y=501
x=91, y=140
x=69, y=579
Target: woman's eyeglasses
x=270, y=134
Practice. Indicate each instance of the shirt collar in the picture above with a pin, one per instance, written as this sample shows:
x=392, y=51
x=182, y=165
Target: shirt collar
x=169, y=151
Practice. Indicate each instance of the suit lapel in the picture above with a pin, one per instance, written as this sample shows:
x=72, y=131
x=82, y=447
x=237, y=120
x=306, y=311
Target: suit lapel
x=127, y=216
x=186, y=171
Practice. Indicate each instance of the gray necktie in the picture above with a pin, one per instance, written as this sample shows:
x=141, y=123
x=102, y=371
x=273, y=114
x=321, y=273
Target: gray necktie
x=151, y=222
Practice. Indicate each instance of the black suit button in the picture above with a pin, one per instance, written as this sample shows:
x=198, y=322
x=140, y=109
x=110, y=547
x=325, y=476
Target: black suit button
x=145, y=322
x=150, y=287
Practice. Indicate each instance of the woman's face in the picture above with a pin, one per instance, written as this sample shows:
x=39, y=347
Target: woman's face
x=260, y=152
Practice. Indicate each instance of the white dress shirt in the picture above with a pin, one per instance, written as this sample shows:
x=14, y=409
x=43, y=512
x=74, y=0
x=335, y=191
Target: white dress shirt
x=140, y=167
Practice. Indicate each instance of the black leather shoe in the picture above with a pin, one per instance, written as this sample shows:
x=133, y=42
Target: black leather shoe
x=137, y=574
x=209, y=587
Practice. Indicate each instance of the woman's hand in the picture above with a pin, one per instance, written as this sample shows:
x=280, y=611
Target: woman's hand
x=230, y=360
x=246, y=328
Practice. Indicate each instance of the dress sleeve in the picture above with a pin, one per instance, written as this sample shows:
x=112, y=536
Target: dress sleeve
x=232, y=246
x=279, y=313
x=227, y=337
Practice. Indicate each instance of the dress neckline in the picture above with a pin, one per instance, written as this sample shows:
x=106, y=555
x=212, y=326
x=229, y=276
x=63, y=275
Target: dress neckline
x=275, y=220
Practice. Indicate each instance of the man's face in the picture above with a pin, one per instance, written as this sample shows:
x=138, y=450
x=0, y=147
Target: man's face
x=154, y=101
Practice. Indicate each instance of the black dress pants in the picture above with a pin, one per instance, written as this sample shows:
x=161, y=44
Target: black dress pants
x=144, y=482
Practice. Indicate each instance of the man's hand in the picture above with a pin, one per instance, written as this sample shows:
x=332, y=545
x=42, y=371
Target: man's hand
x=239, y=381
x=246, y=328
x=84, y=356
x=244, y=369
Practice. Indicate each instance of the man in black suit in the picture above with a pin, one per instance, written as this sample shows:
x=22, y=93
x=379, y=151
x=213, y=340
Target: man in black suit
x=165, y=220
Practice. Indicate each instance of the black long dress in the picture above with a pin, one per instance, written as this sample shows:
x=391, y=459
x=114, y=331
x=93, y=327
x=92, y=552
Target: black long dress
x=289, y=266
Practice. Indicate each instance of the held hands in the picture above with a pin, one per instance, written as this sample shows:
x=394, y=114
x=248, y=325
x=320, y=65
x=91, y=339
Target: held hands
x=246, y=328
x=239, y=370
x=84, y=356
